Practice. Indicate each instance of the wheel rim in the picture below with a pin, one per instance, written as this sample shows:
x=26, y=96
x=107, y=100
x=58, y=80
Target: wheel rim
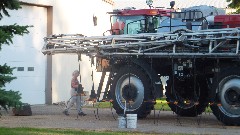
x=129, y=88
x=229, y=95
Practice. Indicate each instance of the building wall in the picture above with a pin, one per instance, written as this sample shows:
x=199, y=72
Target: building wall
x=120, y=4
x=179, y=4
x=52, y=17
x=76, y=17
x=25, y=54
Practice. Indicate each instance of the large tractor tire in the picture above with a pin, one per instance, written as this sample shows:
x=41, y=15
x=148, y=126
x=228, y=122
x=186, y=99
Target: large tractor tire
x=133, y=86
x=226, y=86
x=185, y=100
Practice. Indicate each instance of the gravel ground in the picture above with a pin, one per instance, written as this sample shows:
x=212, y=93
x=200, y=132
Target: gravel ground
x=50, y=116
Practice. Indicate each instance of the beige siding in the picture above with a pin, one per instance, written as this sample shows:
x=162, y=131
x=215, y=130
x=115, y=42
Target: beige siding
x=72, y=17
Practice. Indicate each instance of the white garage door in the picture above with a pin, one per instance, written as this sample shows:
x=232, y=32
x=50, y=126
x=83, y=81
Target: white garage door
x=25, y=54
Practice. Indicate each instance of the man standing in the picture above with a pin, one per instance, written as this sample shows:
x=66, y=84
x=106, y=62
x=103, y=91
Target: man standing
x=75, y=95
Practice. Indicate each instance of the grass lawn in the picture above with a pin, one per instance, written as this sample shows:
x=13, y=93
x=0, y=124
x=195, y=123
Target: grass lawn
x=161, y=104
x=45, y=131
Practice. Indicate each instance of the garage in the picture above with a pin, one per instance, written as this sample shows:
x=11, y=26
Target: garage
x=42, y=79
x=25, y=53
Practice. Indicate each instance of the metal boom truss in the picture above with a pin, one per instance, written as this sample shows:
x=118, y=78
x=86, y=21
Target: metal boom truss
x=180, y=43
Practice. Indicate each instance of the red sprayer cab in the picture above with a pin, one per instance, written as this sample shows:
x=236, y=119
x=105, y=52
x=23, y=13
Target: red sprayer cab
x=131, y=21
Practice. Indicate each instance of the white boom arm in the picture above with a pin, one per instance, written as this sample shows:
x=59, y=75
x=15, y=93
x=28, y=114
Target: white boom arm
x=209, y=43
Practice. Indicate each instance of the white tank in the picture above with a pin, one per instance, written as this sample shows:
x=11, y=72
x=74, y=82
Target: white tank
x=206, y=11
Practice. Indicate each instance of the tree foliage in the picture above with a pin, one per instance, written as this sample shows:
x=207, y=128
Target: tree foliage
x=5, y=77
x=234, y=4
x=8, y=4
x=8, y=32
x=9, y=98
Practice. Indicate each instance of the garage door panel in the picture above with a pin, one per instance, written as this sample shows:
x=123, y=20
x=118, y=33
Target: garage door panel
x=26, y=52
